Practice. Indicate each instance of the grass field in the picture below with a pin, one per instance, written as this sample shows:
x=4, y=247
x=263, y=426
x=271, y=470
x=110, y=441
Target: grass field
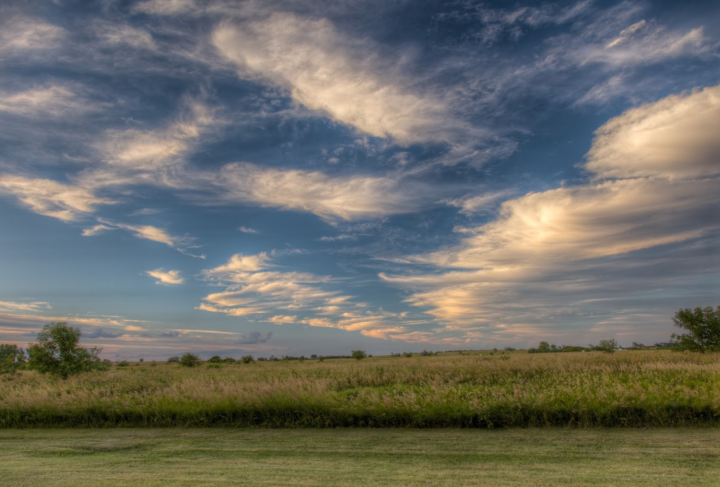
x=368, y=457
x=628, y=389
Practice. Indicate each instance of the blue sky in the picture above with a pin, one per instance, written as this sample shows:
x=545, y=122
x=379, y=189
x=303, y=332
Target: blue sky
x=306, y=177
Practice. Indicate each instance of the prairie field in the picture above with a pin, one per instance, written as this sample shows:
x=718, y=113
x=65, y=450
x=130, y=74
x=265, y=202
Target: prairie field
x=480, y=390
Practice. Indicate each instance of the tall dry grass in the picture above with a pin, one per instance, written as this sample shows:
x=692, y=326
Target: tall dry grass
x=569, y=389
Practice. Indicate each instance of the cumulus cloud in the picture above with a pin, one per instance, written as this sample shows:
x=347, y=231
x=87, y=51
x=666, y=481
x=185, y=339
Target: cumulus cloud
x=326, y=71
x=558, y=245
x=166, y=277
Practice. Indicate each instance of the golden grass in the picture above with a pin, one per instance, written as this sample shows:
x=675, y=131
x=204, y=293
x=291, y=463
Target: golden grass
x=642, y=388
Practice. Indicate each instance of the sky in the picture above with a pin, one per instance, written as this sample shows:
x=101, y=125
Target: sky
x=274, y=177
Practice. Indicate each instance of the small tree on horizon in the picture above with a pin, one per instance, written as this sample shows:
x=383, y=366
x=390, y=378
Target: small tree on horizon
x=189, y=360
x=57, y=352
x=12, y=358
x=703, y=326
x=358, y=354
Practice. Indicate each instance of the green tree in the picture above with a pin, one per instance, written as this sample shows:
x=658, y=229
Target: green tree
x=189, y=360
x=247, y=359
x=358, y=354
x=703, y=326
x=215, y=359
x=608, y=346
x=173, y=360
x=57, y=352
x=12, y=358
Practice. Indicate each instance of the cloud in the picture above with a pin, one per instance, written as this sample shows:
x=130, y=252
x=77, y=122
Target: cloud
x=49, y=101
x=640, y=44
x=254, y=337
x=676, y=137
x=477, y=204
x=34, y=307
x=51, y=198
x=346, y=198
x=100, y=333
x=282, y=319
x=168, y=278
x=96, y=230
x=326, y=71
x=22, y=35
x=248, y=230
x=547, y=251
x=183, y=244
x=165, y=7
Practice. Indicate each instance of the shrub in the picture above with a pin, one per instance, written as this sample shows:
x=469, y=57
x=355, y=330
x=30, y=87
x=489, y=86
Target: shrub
x=703, y=326
x=12, y=358
x=174, y=359
x=358, y=354
x=509, y=349
x=189, y=360
x=407, y=354
x=229, y=360
x=124, y=363
x=247, y=359
x=58, y=353
x=215, y=359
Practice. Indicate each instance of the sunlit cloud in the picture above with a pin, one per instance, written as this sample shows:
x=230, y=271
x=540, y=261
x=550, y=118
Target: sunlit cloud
x=545, y=246
x=171, y=277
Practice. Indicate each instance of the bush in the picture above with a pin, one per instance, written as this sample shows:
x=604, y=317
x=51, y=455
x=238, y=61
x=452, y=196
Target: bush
x=173, y=360
x=407, y=354
x=58, y=353
x=12, y=358
x=509, y=349
x=247, y=359
x=215, y=359
x=189, y=360
x=358, y=354
x=124, y=363
x=703, y=326
x=229, y=360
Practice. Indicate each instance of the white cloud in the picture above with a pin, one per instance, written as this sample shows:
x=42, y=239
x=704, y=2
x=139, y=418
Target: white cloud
x=477, y=204
x=639, y=44
x=347, y=198
x=546, y=251
x=124, y=34
x=96, y=230
x=182, y=244
x=51, y=198
x=282, y=319
x=248, y=230
x=326, y=71
x=166, y=277
x=35, y=306
x=20, y=35
x=49, y=101
x=676, y=137
x=165, y=7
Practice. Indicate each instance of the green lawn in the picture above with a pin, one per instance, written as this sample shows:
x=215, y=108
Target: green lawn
x=367, y=457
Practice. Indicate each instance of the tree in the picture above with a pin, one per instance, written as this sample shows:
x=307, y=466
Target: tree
x=608, y=346
x=703, y=326
x=358, y=354
x=12, y=358
x=173, y=360
x=189, y=360
x=215, y=359
x=247, y=359
x=58, y=353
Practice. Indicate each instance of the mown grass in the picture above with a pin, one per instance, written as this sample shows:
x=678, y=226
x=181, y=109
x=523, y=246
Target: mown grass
x=368, y=457
x=627, y=389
